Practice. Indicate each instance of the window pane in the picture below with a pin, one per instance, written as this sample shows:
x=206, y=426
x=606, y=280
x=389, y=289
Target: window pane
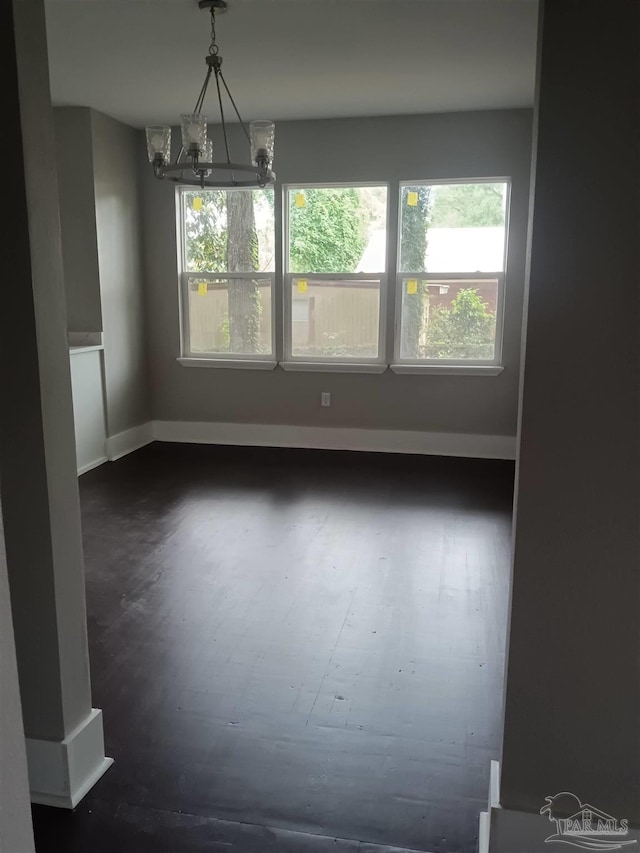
x=228, y=230
x=230, y=316
x=335, y=319
x=453, y=227
x=337, y=229
x=449, y=319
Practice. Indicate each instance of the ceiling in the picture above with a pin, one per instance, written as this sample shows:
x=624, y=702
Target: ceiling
x=142, y=61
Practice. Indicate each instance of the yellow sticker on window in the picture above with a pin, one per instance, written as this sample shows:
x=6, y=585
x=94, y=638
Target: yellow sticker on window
x=197, y=203
x=202, y=288
x=301, y=200
x=412, y=285
x=302, y=285
x=412, y=199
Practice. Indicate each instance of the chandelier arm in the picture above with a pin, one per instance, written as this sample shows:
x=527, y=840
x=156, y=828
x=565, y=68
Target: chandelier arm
x=242, y=124
x=224, y=126
x=203, y=91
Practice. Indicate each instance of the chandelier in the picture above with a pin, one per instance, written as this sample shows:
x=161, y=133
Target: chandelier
x=194, y=164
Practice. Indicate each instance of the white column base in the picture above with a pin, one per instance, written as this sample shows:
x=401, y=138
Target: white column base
x=61, y=773
x=507, y=831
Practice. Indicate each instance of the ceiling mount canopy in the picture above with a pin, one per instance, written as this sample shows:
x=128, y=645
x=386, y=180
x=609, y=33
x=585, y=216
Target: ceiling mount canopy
x=220, y=5
x=195, y=165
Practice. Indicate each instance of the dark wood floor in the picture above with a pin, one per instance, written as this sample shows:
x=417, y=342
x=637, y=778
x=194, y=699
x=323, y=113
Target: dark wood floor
x=292, y=647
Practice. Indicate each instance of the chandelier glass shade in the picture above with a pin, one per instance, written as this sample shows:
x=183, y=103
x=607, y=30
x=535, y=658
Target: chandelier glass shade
x=195, y=164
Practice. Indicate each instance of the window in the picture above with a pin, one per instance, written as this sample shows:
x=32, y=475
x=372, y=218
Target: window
x=330, y=304
x=227, y=274
x=335, y=273
x=451, y=261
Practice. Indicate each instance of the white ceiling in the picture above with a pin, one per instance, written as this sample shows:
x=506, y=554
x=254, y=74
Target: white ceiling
x=142, y=61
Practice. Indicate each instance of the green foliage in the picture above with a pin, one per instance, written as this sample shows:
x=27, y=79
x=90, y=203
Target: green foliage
x=209, y=245
x=334, y=345
x=225, y=334
x=205, y=230
x=466, y=330
x=413, y=247
x=328, y=234
x=415, y=219
x=468, y=206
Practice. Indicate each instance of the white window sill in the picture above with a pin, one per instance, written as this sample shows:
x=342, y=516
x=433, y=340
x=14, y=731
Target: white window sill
x=332, y=367
x=344, y=367
x=449, y=369
x=235, y=363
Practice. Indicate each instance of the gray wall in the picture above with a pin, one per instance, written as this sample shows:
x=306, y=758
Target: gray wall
x=463, y=145
x=40, y=503
x=102, y=246
x=118, y=227
x=74, y=157
x=16, y=834
x=573, y=693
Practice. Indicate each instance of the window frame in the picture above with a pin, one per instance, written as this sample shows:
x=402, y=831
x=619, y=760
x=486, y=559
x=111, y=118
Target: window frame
x=290, y=361
x=390, y=304
x=189, y=357
x=448, y=365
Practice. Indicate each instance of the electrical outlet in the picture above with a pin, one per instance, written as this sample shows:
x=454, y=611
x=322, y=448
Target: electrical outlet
x=325, y=398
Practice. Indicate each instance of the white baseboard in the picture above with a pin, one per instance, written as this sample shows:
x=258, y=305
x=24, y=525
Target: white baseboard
x=126, y=442
x=61, y=773
x=91, y=465
x=337, y=438
x=483, y=834
x=494, y=785
x=315, y=438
